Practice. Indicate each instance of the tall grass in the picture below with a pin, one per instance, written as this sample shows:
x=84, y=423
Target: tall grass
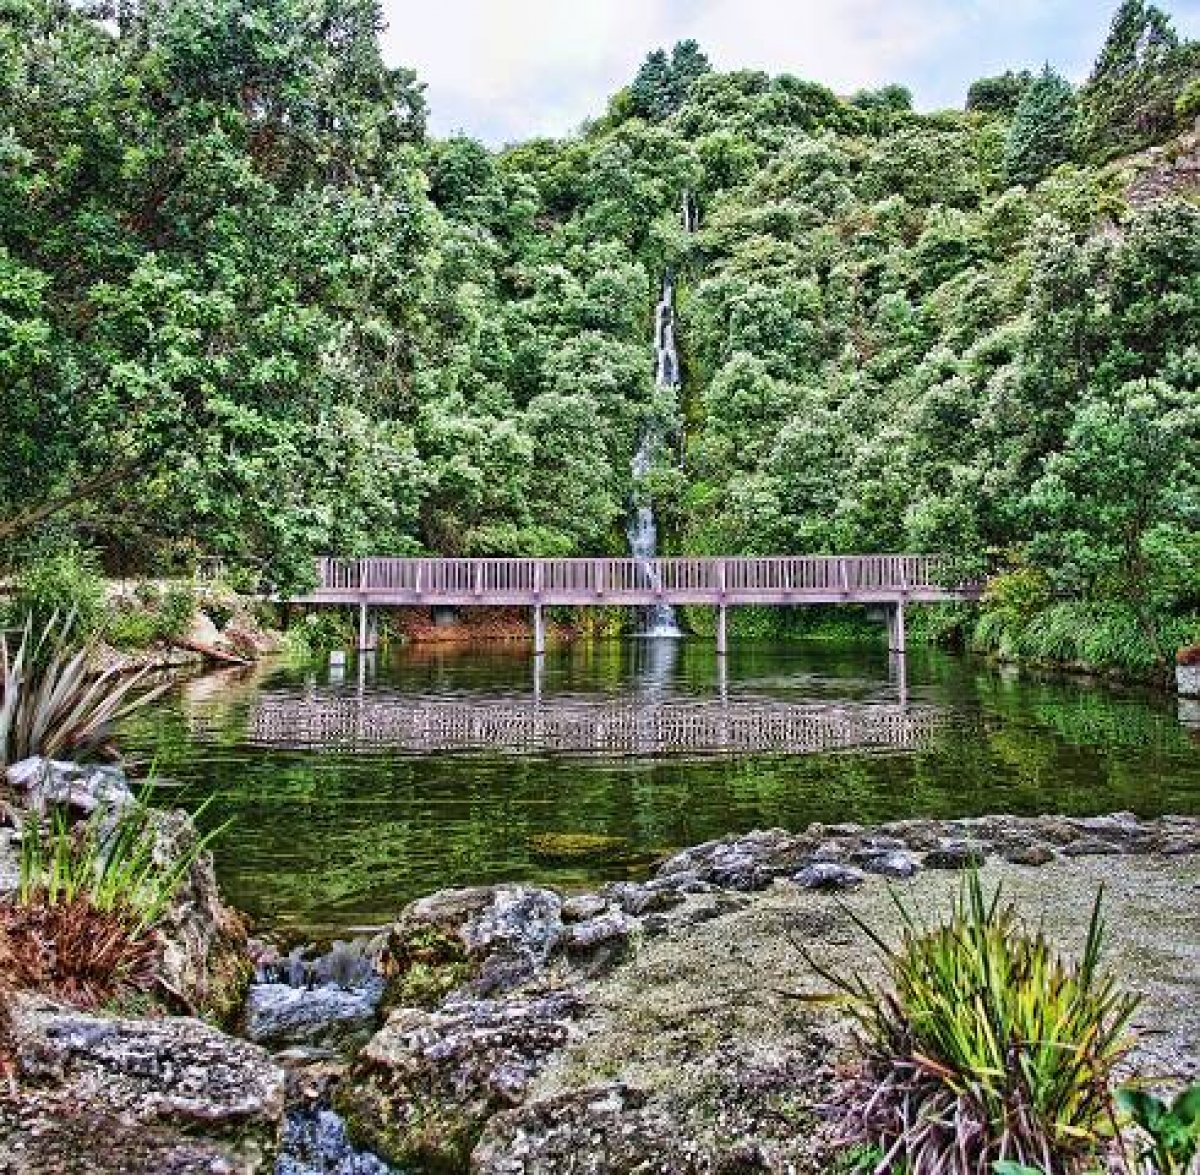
x=83, y=921
x=1074, y=632
x=987, y=1045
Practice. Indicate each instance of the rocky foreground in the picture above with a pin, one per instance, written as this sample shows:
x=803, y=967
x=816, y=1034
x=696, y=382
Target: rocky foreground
x=648, y=1026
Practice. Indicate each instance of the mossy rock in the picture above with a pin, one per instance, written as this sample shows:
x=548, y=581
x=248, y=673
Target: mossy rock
x=409, y=1129
x=568, y=847
x=423, y=964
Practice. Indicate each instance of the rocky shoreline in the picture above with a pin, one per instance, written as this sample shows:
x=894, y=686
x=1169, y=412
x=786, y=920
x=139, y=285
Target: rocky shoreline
x=641, y=1026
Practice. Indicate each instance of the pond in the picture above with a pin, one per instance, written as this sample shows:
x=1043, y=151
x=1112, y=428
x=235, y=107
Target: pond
x=352, y=788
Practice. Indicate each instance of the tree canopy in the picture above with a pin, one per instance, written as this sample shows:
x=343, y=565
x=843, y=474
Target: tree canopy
x=249, y=308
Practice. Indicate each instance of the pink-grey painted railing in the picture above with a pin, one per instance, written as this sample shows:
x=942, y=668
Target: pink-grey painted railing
x=752, y=579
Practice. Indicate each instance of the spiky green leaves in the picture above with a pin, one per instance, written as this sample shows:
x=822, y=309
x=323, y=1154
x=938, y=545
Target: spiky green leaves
x=52, y=701
x=986, y=1045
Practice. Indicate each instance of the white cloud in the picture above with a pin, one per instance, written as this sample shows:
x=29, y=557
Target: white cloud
x=847, y=45
x=507, y=69
x=510, y=69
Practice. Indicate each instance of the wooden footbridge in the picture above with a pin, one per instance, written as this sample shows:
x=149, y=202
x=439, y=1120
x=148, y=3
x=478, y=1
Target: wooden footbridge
x=889, y=581
x=366, y=723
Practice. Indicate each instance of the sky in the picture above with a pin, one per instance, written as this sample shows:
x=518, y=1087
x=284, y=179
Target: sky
x=506, y=70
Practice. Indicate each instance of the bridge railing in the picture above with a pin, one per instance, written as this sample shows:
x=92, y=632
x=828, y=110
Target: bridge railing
x=617, y=576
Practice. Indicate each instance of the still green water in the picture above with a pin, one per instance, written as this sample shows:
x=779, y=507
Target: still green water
x=334, y=830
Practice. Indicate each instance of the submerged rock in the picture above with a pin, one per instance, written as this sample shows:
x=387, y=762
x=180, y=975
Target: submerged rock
x=137, y=1097
x=566, y=847
x=279, y=1015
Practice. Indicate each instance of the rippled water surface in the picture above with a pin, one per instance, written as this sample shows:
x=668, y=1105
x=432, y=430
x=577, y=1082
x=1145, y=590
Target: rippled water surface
x=352, y=789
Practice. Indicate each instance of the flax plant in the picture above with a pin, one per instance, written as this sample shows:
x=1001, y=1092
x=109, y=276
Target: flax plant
x=987, y=1045
x=52, y=702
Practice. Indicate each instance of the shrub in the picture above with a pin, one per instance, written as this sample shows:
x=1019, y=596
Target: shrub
x=130, y=629
x=64, y=582
x=175, y=611
x=1079, y=632
x=987, y=1046
x=1187, y=105
x=1020, y=593
x=319, y=632
x=52, y=703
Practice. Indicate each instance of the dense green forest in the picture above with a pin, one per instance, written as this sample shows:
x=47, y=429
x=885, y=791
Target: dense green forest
x=250, y=309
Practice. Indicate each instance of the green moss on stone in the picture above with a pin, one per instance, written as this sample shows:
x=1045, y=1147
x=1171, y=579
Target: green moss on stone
x=406, y=1127
x=423, y=965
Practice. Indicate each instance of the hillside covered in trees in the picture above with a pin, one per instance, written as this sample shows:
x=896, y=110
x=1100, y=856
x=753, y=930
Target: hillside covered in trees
x=250, y=309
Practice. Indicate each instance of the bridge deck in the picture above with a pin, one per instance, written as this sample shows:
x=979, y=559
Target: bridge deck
x=778, y=580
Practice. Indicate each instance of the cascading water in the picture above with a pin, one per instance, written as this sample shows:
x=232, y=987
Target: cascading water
x=643, y=530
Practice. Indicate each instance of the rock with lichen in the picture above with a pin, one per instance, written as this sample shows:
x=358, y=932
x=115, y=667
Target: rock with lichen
x=162, y=1096
x=421, y=1092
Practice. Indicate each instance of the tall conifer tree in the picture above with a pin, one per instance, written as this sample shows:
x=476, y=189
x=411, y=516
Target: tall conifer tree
x=1042, y=132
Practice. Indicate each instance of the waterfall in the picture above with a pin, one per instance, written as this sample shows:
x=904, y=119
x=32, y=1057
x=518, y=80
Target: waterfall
x=643, y=530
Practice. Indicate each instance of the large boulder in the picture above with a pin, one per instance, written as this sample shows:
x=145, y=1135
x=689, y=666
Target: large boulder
x=738, y=1109
x=485, y=940
x=169, y=1096
x=205, y=966
x=422, y=1090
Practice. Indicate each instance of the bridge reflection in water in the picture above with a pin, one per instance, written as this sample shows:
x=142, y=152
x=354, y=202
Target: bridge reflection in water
x=679, y=726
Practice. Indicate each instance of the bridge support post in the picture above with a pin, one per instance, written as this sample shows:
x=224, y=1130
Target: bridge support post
x=539, y=631
x=722, y=631
x=897, y=640
x=368, y=629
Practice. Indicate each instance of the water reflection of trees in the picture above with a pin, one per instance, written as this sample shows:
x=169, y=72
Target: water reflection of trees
x=338, y=838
